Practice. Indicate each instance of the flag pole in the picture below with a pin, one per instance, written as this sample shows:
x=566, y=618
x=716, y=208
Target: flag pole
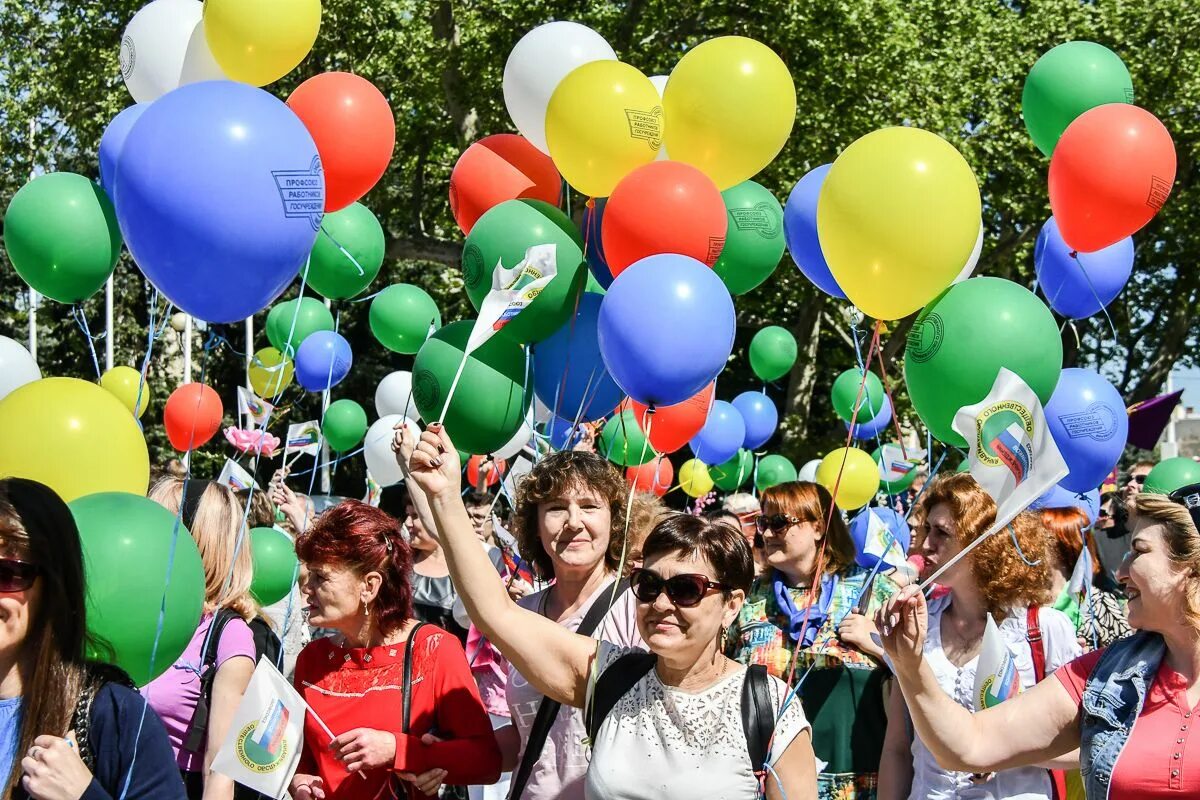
x=453, y=386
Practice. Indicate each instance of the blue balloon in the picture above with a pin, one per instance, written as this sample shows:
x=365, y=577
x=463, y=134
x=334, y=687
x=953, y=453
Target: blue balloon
x=722, y=434
x=876, y=425
x=593, y=244
x=761, y=418
x=563, y=434
x=800, y=231
x=112, y=143
x=1088, y=421
x=1080, y=285
x=879, y=545
x=220, y=196
x=666, y=329
x=323, y=360
x=568, y=372
x=1058, y=497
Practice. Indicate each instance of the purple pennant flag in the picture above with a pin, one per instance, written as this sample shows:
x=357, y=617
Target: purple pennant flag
x=1148, y=419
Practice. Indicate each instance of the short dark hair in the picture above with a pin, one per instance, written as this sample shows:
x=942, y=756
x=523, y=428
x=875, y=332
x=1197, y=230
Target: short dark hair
x=717, y=543
x=477, y=499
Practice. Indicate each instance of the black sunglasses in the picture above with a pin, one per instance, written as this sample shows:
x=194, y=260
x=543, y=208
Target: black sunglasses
x=775, y=522
x=1188, y=497
x=685, y=591
x=16, y=576
x=1140, y=480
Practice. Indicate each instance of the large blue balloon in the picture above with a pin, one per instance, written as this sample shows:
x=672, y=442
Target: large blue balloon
x=879, y=544
x=568, y=372
x=876, y=425
x=1080, y=285
x=800, y=231
x=666, y=329
x=1088, y=421
x=220, y=196
x=722, y=434
x=593, y=244
x=323, y=360
x=761, y=418
x=112, y=144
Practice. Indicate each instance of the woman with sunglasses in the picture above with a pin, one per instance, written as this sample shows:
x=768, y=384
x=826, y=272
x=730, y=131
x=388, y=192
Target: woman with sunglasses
x=803, y=619
x=69, y=728
x=677, y=732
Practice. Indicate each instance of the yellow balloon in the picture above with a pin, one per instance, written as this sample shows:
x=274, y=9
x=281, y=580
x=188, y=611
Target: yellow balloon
x=604, y=120
x=74, y=437
x=270, y=372
x=859, y=477
x=259, y=41
x=730, y=104
x=694, y=478
x=897, y=218
x=124, y=383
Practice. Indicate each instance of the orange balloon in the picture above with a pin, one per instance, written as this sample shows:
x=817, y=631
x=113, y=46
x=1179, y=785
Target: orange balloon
x=1111, y=172
x=491, y=475
x=674, y=426
x=192, y=416
x=498, y=168
x=352, y=125
x=653, y=476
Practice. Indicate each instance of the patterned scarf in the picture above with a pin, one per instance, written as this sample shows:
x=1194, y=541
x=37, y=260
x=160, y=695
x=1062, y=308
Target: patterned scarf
x=804, y=634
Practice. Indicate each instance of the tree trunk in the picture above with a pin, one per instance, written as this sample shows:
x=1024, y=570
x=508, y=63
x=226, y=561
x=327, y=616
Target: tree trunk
x=803, y=378
x=464, y=115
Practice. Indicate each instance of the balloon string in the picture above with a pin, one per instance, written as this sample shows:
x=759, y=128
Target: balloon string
x=1013, y=533
x=928, y=483
x=887, y=388
x=81, y=320
x=289, y=352
x=345, y=252
x=570, y=337
x=629, y=510
x=155, y=332
x=1095, y=296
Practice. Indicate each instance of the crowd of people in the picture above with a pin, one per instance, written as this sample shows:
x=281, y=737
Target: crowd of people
x=592, y=643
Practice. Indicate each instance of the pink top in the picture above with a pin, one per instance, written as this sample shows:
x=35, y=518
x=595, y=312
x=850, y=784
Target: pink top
x=173, y=695
x=490, y=670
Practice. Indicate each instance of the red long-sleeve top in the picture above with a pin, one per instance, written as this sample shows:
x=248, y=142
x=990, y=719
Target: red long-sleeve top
x=361, y=687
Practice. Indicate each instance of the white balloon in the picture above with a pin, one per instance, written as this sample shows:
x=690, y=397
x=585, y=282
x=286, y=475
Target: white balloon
x=17, y=366
x=164, y=47
x=542, y=58
x=541, y=412
x=377, y=448
x=809, y=471
x=660, y=83
x=517, y=443
x=969, y=269
x=394, y=396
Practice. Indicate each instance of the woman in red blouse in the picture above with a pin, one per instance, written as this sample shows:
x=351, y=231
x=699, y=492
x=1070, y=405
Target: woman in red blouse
x=357, y=583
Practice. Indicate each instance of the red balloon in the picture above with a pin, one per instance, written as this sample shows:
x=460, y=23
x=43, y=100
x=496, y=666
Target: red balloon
x=1111, y=172
x=498, y=168
x=491, y=475
x=663, y=207
x=192, y=416
x=653, y=476
x=351, y=122
x=674, y=426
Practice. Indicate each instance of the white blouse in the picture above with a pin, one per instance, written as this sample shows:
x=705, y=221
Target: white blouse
x=659, y=742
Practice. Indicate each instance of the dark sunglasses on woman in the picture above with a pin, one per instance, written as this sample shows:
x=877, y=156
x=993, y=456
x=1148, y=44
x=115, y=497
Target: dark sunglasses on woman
x=16, y=576
x=685, y=591
x=775, y=522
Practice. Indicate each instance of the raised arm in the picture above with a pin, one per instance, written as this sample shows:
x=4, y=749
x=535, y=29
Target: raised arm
x=1032, y=728
x=553, y=659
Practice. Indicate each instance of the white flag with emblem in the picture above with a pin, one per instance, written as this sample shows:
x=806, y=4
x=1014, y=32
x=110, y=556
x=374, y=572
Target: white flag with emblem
x=513, y=290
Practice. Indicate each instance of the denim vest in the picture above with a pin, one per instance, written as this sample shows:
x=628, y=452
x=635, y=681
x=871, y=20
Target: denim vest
x=1112, y=700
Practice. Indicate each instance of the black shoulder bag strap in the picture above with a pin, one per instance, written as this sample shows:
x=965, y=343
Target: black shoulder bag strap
x=548, y=709
x=758, y=716
x=407, y=689
x=198, y=732
x=612, y=684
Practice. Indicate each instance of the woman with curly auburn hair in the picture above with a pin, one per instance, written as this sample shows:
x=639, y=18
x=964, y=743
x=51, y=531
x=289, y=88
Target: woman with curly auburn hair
x=1006, y=576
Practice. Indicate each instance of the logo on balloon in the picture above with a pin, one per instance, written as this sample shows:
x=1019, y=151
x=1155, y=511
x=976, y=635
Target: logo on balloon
x=761, y=219
x=646, y=125
x=1004, y=436
x=302, y=192
x=127, y=57
x=715, y=245
x=1098, y=421
x=1159, y=190
x=426, y=389
x=472, y=265
x=925, y=339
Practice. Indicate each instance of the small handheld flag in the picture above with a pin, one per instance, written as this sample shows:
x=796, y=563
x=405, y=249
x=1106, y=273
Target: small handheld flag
x=303, y=437
x=996, y=676
x=236, y=477
x=252, y=408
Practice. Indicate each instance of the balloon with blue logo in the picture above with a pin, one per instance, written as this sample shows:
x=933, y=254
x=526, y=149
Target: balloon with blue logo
x=872, y=428
x=220, y=195
x=1078, y=285
x=323, y=360
x=593, y=244
x=1088, y=422
x=569, y=375
x=112, y=144
x=722, y=434
x=800, y=231
x=880, y=534
x=760, y=415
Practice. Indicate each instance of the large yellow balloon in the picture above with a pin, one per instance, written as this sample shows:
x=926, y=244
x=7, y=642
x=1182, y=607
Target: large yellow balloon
x=604, y=120
x=859, y=477
x=270, y=372
x=124, y=383
x=694, y=478
x=897, y=219
x=73, y=436
x=730, y=104
x=259, y=41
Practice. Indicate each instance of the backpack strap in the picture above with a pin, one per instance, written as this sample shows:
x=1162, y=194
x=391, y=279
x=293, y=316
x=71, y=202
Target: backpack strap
x=198, y=730
x=758, y=716
x=1037, y=649
x=612, y=684
x=407, y=689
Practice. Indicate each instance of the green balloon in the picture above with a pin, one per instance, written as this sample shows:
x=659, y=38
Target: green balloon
x=62, y=237
x=730, y=476
x=963, y=338
x=311, y=317
x=1172, y=474
x=489, y=404
x=895, y=487
x=333, y=274
x=344, y=425
x=772, y=471
x=754, y=240
x=127, y=543
x=772, y=352
x=623, y=442
x=845, y=393
x=401, y=316
x=501, y=237
x=276, y=567
x=1067, y=81
x=593, y=285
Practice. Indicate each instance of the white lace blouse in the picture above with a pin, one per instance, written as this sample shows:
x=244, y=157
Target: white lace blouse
x=659, y=742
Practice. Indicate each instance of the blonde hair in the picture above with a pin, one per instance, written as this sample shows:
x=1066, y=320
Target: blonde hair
x=228, y=568
x=1183, y=542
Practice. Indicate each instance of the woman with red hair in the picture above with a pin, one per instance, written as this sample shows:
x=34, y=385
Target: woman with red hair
x=1078, y=585
x=387, y=682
